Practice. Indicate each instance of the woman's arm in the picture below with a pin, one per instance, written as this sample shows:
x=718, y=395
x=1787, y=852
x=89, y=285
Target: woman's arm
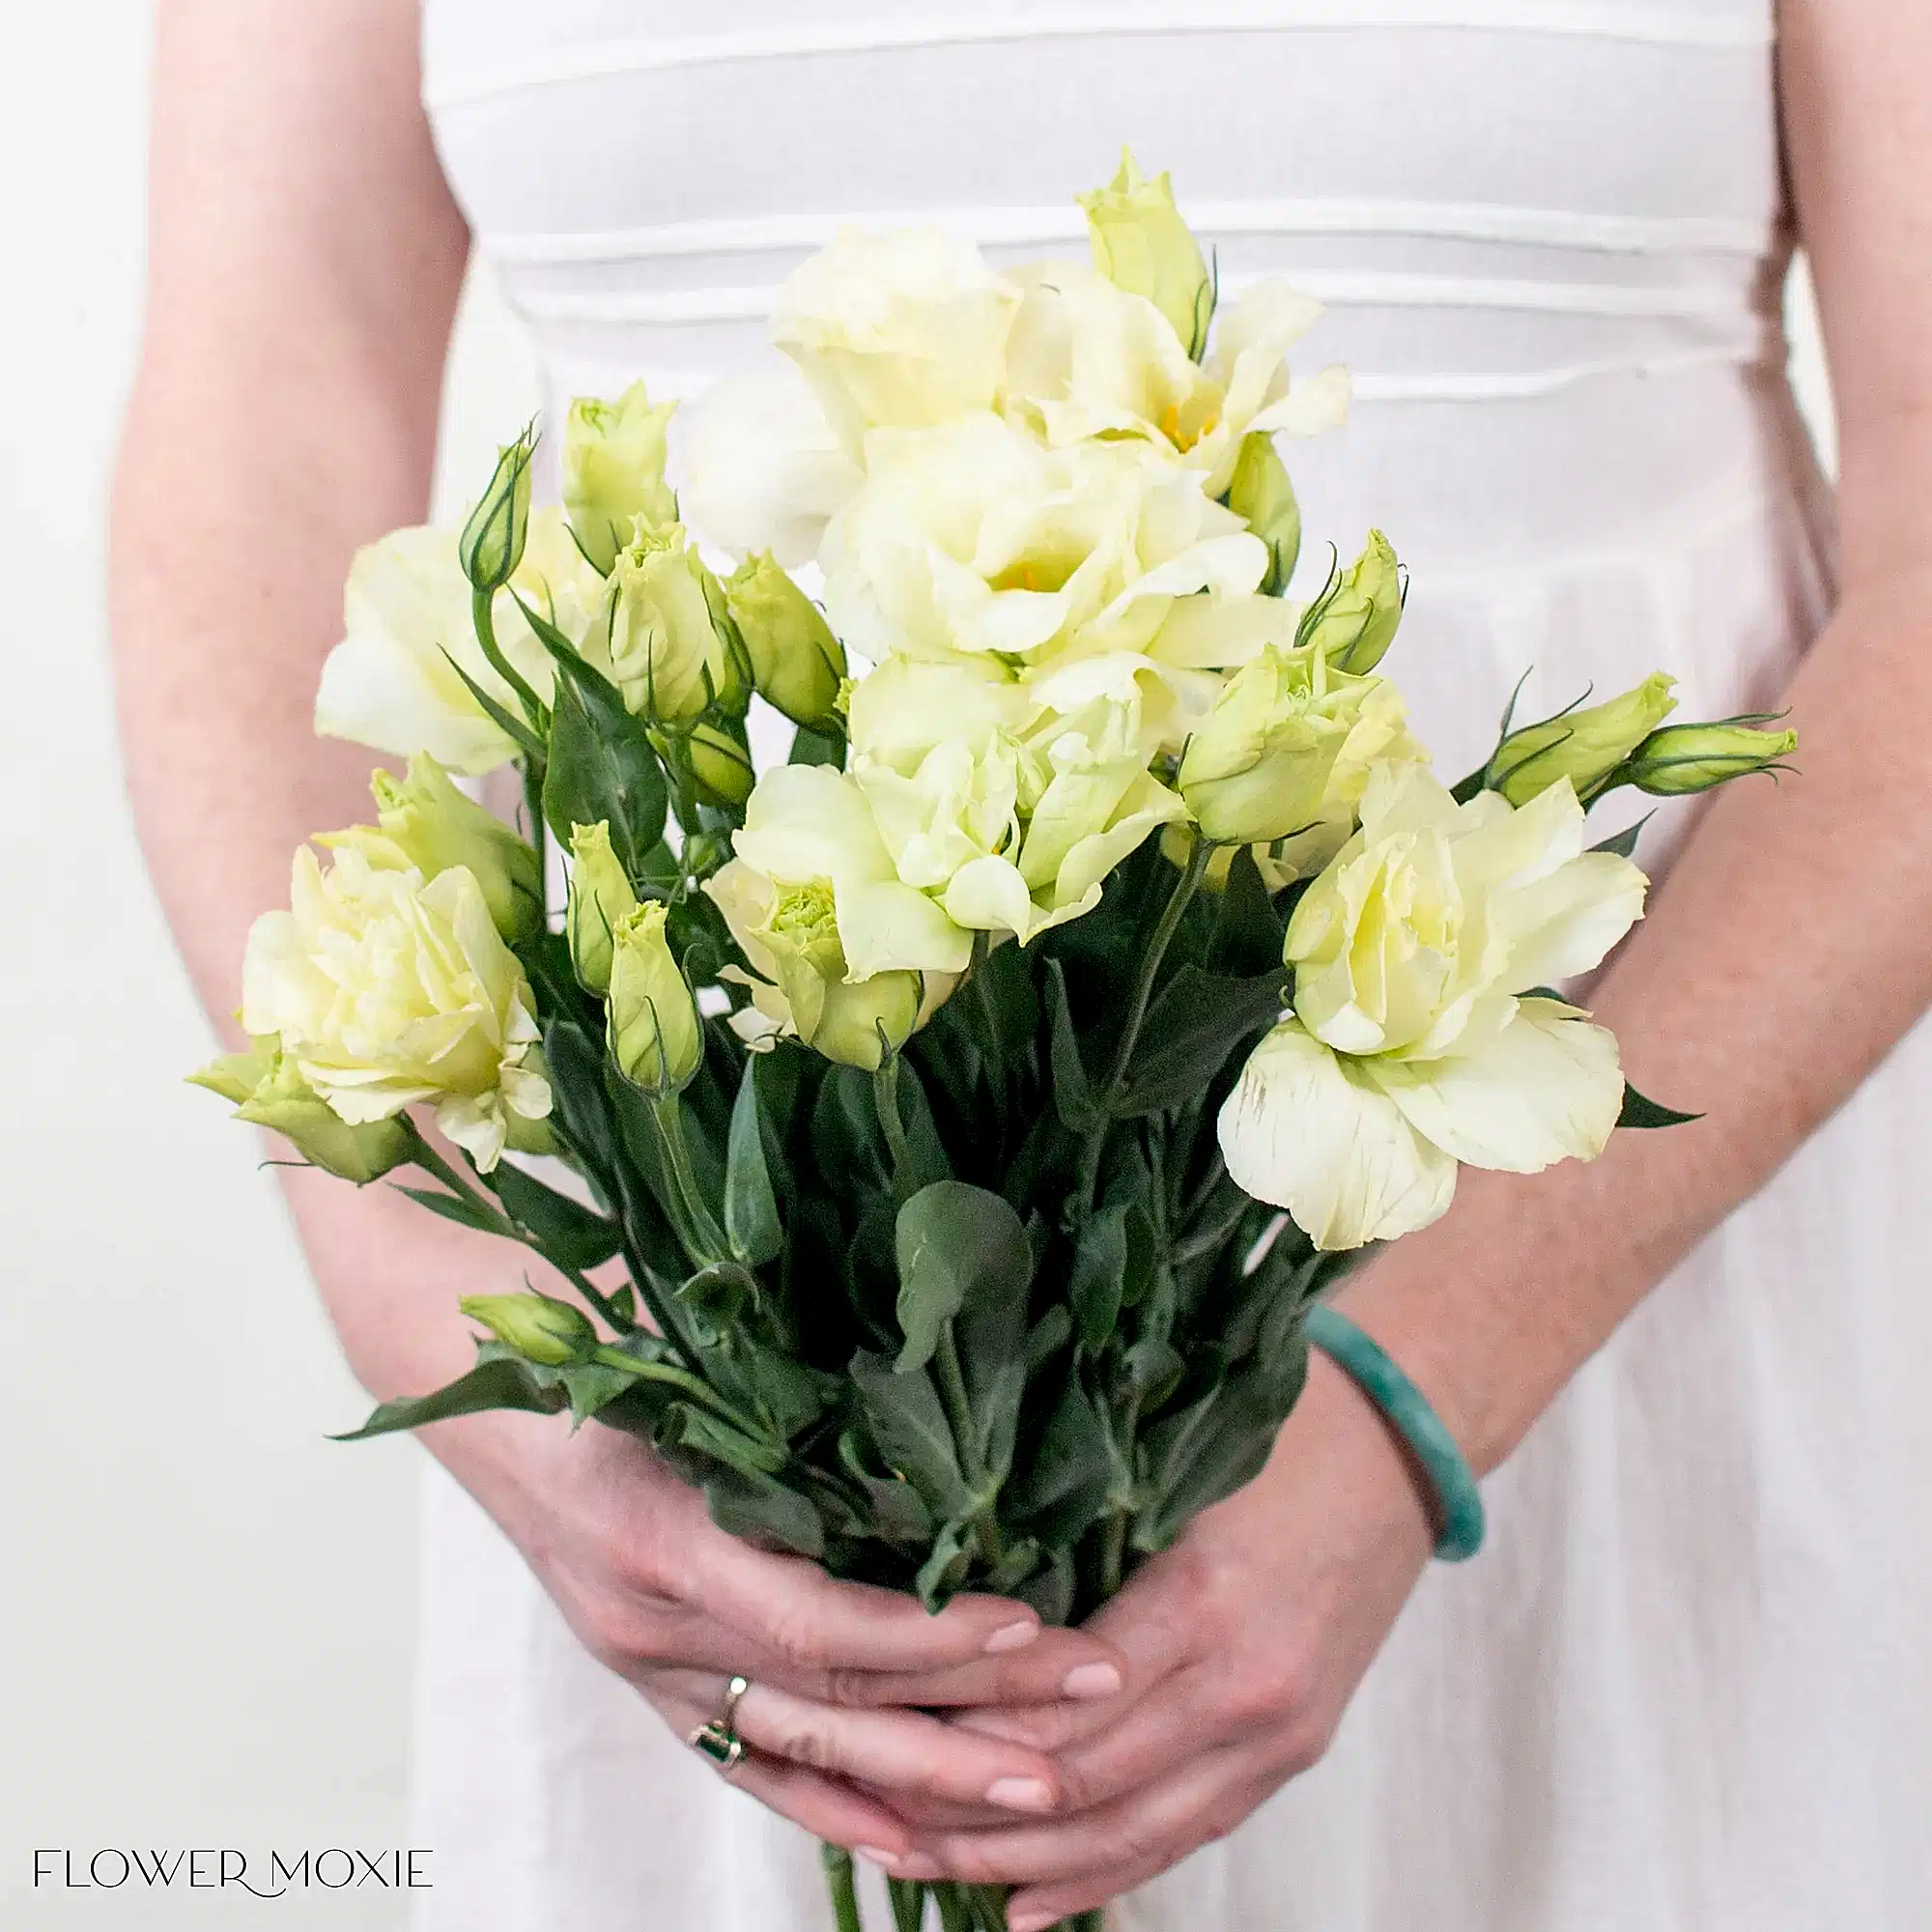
x=1789, y=951
x=305, y=258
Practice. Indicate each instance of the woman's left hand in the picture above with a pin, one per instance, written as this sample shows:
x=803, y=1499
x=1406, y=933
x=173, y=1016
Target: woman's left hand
x=1245, y=1642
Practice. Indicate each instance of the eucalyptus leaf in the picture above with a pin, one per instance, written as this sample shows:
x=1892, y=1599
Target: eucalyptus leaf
x=764, y=1511
x=909, y=1425
x=944, y=1570
x=1098, y=1276
x=1063, y=1486
x=954, y=1241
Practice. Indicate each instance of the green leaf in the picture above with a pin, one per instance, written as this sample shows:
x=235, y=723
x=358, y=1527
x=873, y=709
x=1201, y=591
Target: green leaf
x=602, y=767
x=910, y=1427
x=688, y=1426
x=908, y=1902
x=1098, y=1277
x=1063, y=1486
x=593, y=1385
x=943, y=1571
x=1248, y=930
x=750, y=1208
x=1191, y=1030
x=1638, y=1112
x=501, y=1382
x=1624, y=843
x=1050, y=1334
x=764, y=1511
x=953, y=1242
x=900, y=1513
x=457, y=1208
x=568, y=1232
x=1072, y=1091
x=816, y=748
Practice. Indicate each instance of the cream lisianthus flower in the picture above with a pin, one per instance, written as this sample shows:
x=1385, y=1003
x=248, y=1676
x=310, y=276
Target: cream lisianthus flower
x=900, y=330
x=668, y=647
x=840, y=947
x=1088, y=359
x=1414, y=1041
x=613, y=470
x=975, y=539
x=386, y=990
x=393, y=682
x=1009, y=815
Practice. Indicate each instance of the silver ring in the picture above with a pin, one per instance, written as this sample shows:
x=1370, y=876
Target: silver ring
x=719, y=1739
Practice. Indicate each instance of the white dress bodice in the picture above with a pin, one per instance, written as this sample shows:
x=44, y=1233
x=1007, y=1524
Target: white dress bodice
x=1552, y=236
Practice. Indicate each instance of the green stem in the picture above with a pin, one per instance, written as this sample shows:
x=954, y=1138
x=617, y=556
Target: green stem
x=958, y=1406
x=533, y=785
x=483, y=612
x=698, y=1230
x=886, y=1100
x=955, y=1908
x=1178, y=900
x=908, y=1904
x=682, y=1379
x=842, y=1883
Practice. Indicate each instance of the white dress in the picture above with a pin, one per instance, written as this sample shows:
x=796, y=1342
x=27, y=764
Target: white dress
x=1686, y=1687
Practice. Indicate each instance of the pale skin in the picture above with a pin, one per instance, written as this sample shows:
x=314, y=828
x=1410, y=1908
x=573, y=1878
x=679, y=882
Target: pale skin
x=305, y=261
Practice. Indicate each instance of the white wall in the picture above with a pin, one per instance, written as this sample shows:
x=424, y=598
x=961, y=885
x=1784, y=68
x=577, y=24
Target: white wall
x=205, y=1607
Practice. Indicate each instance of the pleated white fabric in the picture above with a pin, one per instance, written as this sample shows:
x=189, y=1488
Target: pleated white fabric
x=1685, y=1689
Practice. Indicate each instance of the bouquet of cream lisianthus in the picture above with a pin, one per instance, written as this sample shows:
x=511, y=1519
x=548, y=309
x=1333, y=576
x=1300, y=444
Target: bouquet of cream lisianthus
x=950, y=1129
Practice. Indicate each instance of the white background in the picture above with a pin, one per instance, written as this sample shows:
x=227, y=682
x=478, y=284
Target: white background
x=206, y=1609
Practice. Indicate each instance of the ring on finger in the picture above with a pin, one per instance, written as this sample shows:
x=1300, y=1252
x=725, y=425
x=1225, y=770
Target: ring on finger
x=718, y=1737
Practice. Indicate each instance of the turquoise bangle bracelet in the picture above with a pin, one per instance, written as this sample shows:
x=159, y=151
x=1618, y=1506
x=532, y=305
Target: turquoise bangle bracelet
x=1369, y=1366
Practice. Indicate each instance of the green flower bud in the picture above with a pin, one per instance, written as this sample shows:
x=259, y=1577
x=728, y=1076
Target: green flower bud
x=614, y=471
x=797, y=664
x=671, y=657
x=1585, y=747
x=284, y=1104
x=841, y=1019
x=1260, y=493
x=435, y=827
x=235, y=1076
x=722, y=765
x=1259, y=765
x=537, y=1327
x=1142, y=244
x=1686, y=758
x=1355, y=626
x=656, y=1036
x=601, y=900
x=492, y=544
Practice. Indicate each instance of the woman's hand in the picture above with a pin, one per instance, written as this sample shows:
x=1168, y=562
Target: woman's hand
x=670, y=1603
x=1244, y=1643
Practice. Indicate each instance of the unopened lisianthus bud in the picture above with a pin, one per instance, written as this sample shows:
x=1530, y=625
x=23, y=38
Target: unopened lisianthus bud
x=614, y=471
x=672, y=658
x=1355, y=626
x=285, y=1104
x=492, y=544
x=797, y=664
x=1686, y=758
x=601, y=900
x=1143, y=245
x=537, y=1327
x=1585, y=747
x=655, y=1034
x=1260, y=493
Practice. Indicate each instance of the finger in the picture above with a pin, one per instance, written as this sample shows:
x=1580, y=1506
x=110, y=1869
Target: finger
x=889, y=1751
x=1144, y=1833
x=1058, y=1664
x=1148, y=1627
x=1034, y=1908
x=815, y=1622
x=1161, y=1731
x=823, y=1805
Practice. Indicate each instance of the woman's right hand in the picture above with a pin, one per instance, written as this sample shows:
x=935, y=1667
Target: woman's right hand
x=842, y=1675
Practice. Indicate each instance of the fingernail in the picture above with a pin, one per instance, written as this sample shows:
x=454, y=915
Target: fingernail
x=916, y=1864
x=1021, y=1794
x=873, y=1856
x=1012, y=1636
x=1089, y=1682
x=1028, y=1921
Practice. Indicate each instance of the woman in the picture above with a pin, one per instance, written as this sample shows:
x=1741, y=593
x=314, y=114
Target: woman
x=1679, y=1692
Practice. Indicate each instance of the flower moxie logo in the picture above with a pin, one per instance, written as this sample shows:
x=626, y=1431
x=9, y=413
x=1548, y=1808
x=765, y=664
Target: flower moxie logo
x=209, y=1869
